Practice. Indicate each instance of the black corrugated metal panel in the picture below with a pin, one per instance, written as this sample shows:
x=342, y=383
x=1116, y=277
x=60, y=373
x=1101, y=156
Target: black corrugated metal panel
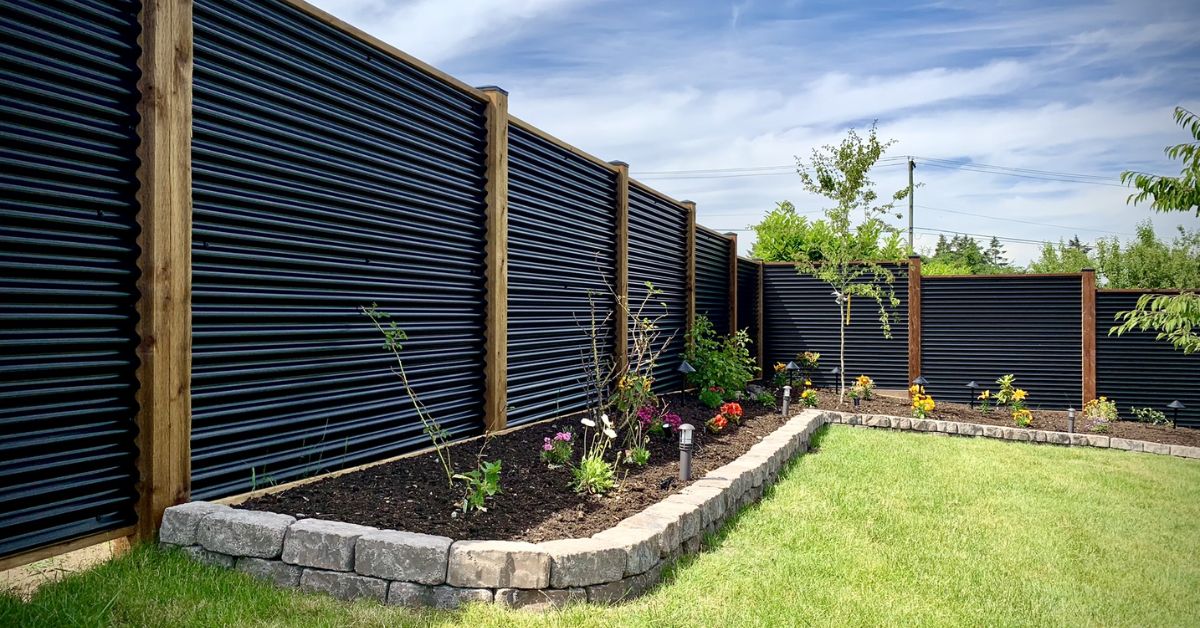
x=979, y=328
x=68, y=267
x=747, y=300
x=658, y=254
x=801, y=315
x=1137, y=370
x=327, y=175
x=712, y=278
x=561, y=243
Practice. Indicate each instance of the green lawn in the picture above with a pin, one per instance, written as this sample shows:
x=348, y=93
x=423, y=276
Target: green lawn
x=877, y=528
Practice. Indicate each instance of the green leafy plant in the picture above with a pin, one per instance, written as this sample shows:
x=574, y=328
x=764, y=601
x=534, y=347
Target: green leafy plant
x=1022, y=417
x=482, y=483
x=712, y=397
x=808, y=398
x=637, y=456
x=985, y=401
x=765, y=398
x=1009, y=395
x=723, y=363
x=594, y=475
x=1101, y=413
x=863, y=388
x=557, y=451
x=1151, y=416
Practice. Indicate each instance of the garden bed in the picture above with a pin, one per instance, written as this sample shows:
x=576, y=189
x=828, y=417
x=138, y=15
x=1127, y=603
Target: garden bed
x=1047, y=420
x=536, y=503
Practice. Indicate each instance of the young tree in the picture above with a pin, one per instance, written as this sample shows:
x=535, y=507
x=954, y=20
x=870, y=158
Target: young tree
x=994, y=255
x=1061, y=258
x=841, y=173
x=785, y=236
x=1175, y=318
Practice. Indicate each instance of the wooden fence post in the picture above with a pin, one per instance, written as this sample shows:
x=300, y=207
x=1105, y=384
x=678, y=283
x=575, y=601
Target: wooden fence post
x=914, y=317
x=761, y=309
x=165, y=306
x=621, y=314
x=733, y=283
x=495, y=392
x=1088, y=319
x=691, y=266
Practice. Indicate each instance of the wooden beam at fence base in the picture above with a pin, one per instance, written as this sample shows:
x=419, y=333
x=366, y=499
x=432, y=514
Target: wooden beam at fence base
x=733, y=283
x=621, y=314
x=1088, y=320
x=760, y=309
x=495, y=387
x=914, y=317
x=691, y=267
x=165, y=304
x=58, y=549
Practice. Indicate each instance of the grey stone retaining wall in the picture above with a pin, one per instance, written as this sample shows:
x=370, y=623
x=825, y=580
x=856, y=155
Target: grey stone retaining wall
x=1008, y=433
x=351, y=561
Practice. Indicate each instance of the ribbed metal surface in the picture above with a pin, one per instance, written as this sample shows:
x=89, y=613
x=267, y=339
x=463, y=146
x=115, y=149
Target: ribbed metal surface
x=1136, y=370
x=979, y=328
x=712, y=279
x=328, y=175
x=747, y=300
x=658, y=254
x=561, y=242
x=68, y=98
x=801, y=315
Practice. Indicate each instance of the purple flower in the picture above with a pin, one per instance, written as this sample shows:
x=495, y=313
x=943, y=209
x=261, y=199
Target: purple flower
x=672, y=420
x=645, y=415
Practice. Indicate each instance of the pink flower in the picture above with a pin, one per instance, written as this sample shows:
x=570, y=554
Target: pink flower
x=548, y=446
x=672, y=420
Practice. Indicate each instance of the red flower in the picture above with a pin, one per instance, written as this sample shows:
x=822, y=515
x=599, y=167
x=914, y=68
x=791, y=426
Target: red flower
x=731, y=410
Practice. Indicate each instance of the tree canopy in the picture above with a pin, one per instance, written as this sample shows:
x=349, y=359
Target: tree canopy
x=786, y=236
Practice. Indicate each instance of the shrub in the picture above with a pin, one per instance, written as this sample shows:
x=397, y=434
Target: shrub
x=482, y=483
x=594, y=475
x=719, y=362
x=712, y=397
x=922, y=404
x=637, y=456
x=557, y=451
x=809, y=398
x=1101, y=414
x=1151, y=416
x=634, y=392
x=765, y=398
x=863, y=388
x=1022, y=417
x=732, y=411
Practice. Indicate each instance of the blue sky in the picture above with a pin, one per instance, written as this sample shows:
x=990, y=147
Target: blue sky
x=682, y=86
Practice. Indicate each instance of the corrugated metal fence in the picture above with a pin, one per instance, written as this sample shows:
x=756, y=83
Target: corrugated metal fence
x=658, y=255
x=326, y=177
x=981, y=327
x=801, y=315
x=712, y=278
x=1138, y=371
x=68, y=267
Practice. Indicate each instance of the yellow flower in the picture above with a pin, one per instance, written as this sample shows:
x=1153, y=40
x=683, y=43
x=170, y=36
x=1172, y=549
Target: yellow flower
x=987, y=394
x=780, y=367
x=1019, y=395
x=807, y=382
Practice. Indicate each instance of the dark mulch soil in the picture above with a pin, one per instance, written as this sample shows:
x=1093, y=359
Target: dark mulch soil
x=536, y=503
x=1042, y=419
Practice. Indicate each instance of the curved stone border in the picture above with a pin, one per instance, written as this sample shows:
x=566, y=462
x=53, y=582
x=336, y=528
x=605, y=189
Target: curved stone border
x=419, y=570
x=1008, y=433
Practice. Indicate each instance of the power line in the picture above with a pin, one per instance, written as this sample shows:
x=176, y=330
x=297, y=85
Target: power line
x=742, y=169
x=1019, y=174
x=669, y=177
x=980, y=235
x=1027, y=222
x=1025, y=170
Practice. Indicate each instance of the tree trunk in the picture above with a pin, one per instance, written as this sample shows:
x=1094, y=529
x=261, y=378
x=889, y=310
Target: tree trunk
x=841, y=351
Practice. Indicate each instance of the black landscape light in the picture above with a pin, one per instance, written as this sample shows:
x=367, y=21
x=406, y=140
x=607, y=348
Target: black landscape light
x=973, y=385
x=685, y=451
x=1071, y=420
x=1175, y=407
x=686, y=368
x=921, y=381
x=791, y=369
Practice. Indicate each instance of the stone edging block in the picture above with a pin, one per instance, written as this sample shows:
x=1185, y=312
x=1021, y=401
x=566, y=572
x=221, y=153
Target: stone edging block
x=1012, y=433
x=353, y=562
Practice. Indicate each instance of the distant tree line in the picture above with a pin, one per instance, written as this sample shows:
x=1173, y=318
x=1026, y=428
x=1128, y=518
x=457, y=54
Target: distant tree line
x=1146, y=261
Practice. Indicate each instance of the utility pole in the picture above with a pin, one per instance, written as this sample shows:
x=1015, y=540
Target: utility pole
x=911, y=166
